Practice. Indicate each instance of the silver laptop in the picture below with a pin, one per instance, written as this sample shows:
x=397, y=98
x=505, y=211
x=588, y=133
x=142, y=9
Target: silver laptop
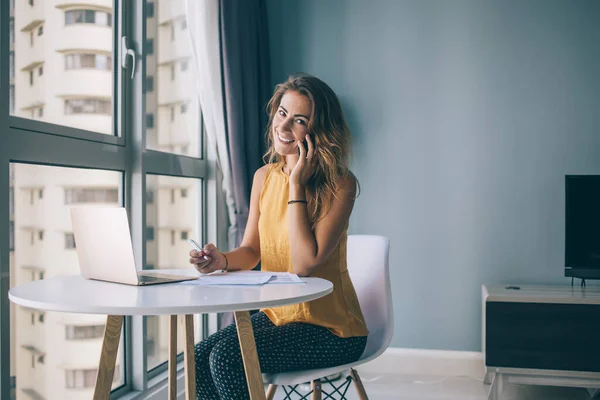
x=103, y=245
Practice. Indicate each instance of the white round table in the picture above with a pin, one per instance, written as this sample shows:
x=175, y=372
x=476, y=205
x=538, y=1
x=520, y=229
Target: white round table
x=75, y=294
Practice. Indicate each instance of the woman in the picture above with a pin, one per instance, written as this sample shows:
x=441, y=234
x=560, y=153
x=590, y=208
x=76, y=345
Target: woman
x=300, y=205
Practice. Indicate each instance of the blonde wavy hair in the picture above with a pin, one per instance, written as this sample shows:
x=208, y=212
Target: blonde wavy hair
x=330, y=134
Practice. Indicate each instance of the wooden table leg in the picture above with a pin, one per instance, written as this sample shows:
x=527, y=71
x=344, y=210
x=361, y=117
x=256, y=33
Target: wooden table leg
x=108, y=357
x=173, y=357
x=249, y=355
x=189, y=359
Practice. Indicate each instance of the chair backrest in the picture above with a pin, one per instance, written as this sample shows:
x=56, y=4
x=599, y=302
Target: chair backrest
x=368, y=266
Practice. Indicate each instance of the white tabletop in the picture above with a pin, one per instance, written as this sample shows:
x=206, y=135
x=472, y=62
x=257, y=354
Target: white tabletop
x=75, y=294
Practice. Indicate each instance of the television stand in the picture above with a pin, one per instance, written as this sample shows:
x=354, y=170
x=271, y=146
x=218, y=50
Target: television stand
x=541, y=335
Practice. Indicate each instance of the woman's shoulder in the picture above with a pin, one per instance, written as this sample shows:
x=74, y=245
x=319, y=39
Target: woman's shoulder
x=261, y=175
x=349, y=184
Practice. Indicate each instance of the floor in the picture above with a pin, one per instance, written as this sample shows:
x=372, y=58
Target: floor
x=423, y=387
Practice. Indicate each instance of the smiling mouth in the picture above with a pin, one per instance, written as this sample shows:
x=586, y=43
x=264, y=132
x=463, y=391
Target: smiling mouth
x=283, y=140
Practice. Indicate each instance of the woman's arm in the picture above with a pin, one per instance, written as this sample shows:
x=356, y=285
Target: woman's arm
x=309, y=248
x=247, y=255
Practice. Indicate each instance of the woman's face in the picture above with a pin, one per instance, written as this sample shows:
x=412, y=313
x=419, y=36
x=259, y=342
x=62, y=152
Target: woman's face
x=290, y=123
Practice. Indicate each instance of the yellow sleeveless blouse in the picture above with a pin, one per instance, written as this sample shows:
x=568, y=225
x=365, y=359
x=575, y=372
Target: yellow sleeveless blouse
x=339, y=311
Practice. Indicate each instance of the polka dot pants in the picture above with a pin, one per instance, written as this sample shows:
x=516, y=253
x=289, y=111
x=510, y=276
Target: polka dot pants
x=291, y=347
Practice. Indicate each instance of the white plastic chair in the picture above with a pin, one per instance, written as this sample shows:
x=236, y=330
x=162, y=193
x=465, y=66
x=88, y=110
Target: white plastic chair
x=368, y=266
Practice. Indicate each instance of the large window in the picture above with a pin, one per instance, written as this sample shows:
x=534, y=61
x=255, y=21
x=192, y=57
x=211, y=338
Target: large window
x=74, y=137
x=168, y=63
x=62, y=60
x=44, y=249
x=170, y=212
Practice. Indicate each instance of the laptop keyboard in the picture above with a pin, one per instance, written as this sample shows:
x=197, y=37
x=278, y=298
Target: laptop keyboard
x=147, y=278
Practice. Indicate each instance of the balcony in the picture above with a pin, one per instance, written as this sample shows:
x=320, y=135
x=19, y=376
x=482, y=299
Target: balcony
x=97, y=4
x=85, y=83
x=29, y=54
x=97, y=38
x=29, y=17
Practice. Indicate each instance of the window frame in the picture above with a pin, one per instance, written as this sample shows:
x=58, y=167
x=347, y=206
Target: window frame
x=29, y=141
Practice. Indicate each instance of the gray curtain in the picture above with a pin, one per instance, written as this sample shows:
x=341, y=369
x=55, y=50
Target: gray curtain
x=247, y=89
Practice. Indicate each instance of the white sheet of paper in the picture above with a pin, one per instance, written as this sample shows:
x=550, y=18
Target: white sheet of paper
x=246, y=278
x=233, y=278
x=284, y=277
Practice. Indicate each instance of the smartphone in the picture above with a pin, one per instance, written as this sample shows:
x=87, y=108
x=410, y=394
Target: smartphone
x=305, y=144
x=197, y=247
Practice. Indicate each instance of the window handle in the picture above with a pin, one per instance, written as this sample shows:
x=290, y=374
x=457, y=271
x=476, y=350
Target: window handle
x=125, y=51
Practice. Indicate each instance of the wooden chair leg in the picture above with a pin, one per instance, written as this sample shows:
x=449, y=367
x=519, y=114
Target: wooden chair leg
x=189, y=359
x=249, y=355
x=362, y=395
x=316, y=388
x=108, y=357
x=172, y=395
x=271, y=392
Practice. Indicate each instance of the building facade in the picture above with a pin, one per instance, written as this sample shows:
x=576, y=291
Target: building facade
x=61, y=72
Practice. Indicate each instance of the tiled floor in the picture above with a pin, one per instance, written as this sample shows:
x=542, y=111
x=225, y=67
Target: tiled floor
x=422, y=387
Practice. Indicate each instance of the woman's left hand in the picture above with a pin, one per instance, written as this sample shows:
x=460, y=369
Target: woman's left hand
x=306, y=165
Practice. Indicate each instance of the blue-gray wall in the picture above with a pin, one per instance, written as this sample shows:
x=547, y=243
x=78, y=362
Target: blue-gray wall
x=466, y=117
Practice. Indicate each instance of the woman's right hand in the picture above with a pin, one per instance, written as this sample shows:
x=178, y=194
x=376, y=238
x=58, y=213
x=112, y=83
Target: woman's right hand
x=215, y=260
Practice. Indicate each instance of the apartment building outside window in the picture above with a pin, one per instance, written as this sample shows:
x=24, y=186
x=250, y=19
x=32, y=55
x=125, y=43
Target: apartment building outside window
x=74, y=151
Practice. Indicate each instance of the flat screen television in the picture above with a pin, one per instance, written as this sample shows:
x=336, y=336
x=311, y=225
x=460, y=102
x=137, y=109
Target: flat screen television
x=582, y=226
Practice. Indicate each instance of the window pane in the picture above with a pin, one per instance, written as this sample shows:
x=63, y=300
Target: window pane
x=54, y=355
x=174, y=84
x=45, y=39
x=166, y=215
